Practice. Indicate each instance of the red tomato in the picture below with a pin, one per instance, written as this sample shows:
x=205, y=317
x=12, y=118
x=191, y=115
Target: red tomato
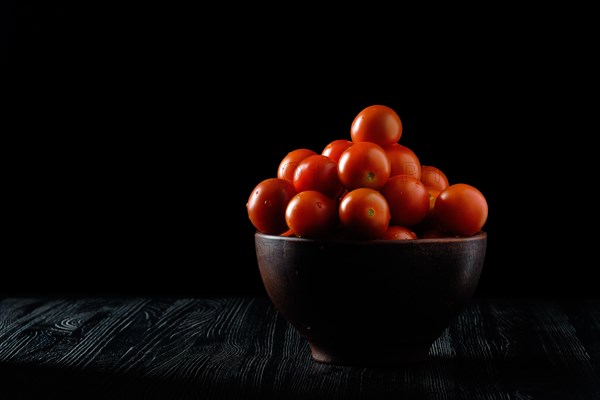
x=364, y=165
x=288, y=165
x=408, y=199
x=364, y=213
x=433, y=177
x=267, y=204
x=461, y=209
x=377, y=124
x=318, y=172
x=311, y=214
x=335, y=149
x=397, y=232
x=403, y=161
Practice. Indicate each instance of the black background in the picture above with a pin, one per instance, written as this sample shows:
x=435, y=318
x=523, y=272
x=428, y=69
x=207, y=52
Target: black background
x=139, y=144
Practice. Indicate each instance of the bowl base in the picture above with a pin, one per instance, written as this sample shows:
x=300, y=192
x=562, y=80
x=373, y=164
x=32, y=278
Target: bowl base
x=391, y=356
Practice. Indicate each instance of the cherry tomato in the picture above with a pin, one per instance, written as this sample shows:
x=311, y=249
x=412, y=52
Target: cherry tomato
x=288, y=165
x=377, y=124
x=408, y=199
x=318, y=172
x=364, y=213
x=364, y=165
x=461, y=209
x=433, y=177
x=397, y=232
x=403, y=161
x=335, y=149
x=312, y=214
x=267, y=204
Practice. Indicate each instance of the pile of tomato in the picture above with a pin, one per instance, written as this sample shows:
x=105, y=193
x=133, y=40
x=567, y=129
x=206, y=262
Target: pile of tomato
x=370, y=187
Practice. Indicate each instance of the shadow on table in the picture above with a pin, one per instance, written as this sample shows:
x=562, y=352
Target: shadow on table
x=49, y=382
x=438, y=378
x=524, y=378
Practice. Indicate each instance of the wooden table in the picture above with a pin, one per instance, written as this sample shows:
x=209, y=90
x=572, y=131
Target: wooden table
x=240, y=347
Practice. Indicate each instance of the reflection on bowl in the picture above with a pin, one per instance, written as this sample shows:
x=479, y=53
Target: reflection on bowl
x=377, y=302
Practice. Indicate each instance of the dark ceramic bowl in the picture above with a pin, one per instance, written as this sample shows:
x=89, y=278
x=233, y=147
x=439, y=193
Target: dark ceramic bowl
x=370, y=302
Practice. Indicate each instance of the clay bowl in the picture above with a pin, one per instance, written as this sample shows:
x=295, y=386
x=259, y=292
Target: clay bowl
x=378, y=303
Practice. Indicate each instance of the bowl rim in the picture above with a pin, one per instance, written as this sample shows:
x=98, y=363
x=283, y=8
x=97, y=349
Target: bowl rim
x=455, y=239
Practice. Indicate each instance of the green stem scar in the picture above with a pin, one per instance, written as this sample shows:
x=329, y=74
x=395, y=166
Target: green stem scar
x=370, y=212
x=370, y=176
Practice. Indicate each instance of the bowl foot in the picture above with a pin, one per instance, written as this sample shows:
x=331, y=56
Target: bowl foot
x=391, y=356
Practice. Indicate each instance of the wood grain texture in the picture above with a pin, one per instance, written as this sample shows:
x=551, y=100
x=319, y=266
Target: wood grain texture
x=241, y=348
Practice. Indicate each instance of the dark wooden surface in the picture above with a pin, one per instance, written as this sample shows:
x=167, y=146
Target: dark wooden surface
x=239, y=347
